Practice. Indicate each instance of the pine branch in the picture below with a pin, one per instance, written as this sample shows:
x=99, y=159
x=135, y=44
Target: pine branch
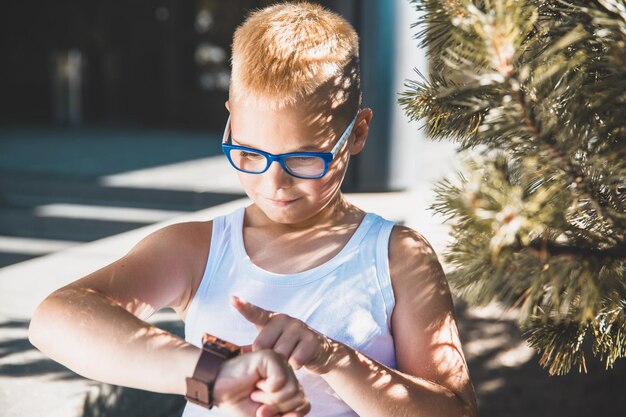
x=559, y=343
x=538, y=89
x=576, y=174
x=444, y=105
x=545, y=249
x=435, y=24
x=505, y=251
x=562, y=342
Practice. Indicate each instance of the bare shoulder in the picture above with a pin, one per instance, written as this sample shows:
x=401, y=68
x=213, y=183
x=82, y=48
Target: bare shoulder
x=177, y=239
x=161, y=270
x=180, y=244
x=423, y=323
x=422, y=295
x=412, y=258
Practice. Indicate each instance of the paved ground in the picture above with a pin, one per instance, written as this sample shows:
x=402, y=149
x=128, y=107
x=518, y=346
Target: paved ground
x=505, y=373
x=61, y=187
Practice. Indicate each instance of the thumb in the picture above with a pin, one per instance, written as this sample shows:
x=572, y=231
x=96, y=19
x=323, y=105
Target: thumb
x=255, y=315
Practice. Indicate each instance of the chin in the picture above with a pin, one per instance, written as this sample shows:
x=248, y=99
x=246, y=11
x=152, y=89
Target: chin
x=283, y=215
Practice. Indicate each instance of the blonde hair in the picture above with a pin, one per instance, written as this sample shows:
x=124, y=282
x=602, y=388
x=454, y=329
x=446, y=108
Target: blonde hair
x=289, y=51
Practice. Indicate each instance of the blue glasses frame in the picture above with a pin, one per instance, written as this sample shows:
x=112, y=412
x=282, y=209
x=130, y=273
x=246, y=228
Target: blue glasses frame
x=327, y=157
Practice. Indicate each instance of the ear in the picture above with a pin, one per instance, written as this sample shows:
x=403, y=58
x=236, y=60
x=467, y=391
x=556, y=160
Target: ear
x=227, y=105
x=361, y=129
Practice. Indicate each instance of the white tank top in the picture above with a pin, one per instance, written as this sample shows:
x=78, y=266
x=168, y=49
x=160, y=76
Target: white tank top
x=348, y=298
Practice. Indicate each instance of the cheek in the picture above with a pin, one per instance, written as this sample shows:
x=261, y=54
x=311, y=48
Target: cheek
x=313, y=188
x=337, y=171
x=327, y=187
x=248, y=182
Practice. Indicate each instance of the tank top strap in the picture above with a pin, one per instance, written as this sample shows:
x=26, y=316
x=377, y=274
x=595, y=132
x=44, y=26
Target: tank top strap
x=382, y=266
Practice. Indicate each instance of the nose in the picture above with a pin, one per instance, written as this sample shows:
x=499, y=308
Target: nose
x=277, y=177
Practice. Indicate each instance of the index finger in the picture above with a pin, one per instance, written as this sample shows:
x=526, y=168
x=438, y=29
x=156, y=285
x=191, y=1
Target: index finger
x=250, y=312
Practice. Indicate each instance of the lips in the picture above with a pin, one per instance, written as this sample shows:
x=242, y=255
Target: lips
x=281, y=203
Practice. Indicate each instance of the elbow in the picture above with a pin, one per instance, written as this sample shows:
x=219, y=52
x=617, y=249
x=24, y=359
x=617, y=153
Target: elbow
x=469, y=408
x=465, y=405
x=44, y=322
x=37, y=326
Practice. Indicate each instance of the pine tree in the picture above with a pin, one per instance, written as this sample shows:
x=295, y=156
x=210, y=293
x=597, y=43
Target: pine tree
x=534, y=94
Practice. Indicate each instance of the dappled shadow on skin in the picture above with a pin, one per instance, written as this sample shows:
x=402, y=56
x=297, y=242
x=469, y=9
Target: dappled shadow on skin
x=295, y=244
x=20, y=359
x=330, y=108
x=398, y=390
x=509, y=381
x=425, y=331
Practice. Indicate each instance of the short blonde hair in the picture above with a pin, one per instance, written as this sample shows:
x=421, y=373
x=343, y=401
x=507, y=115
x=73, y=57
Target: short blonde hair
x=289, y=51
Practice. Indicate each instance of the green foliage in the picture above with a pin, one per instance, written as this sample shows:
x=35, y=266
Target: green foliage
x=536, y=92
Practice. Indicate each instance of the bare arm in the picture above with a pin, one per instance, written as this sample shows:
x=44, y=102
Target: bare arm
x=95, y=326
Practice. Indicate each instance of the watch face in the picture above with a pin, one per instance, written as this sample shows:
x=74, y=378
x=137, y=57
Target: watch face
x=220, y=346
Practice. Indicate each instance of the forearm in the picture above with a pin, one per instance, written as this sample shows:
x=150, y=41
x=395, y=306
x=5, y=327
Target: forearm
x=374, y=390
x=96, y=338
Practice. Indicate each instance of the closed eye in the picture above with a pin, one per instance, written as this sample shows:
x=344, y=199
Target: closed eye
x=303, y=158
x=250, y=155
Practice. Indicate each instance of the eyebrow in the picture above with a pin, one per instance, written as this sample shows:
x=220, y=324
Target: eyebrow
x=308, y=148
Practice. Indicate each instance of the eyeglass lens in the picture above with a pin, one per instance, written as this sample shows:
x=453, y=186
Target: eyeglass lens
x=303, y=166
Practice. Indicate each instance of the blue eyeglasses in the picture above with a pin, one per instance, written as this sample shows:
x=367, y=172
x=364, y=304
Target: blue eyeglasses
x=306, y=165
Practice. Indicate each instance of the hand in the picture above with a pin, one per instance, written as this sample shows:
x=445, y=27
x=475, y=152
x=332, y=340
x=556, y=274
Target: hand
x=259, y=384
x=301, y=345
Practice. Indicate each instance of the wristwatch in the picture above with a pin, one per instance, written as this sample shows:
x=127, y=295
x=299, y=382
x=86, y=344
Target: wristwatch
x=215, y=352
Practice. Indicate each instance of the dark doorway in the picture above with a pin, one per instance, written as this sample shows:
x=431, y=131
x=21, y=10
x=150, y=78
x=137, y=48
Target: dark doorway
x=140, y=63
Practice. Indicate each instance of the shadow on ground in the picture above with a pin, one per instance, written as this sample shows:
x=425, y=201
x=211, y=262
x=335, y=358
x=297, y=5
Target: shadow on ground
x=101, y=400
x=510, y=382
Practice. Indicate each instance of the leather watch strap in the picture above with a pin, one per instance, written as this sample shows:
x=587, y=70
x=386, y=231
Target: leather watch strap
x=214, y=352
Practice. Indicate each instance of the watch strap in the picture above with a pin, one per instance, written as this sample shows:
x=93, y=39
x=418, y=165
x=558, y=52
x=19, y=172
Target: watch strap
x=214, y=353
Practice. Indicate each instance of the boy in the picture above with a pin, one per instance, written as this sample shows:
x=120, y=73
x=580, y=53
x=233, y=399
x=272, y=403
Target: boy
x=358, y=307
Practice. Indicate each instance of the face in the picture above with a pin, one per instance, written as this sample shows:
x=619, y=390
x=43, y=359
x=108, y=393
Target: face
x=281, y=197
